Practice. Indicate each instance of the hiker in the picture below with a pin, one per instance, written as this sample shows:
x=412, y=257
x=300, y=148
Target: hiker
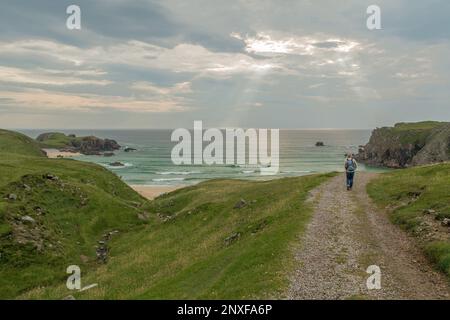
x=350, y=168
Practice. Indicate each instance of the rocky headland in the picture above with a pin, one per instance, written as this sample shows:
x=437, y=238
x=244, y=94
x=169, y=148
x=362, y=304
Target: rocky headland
x=89, y=145
x=407, y=144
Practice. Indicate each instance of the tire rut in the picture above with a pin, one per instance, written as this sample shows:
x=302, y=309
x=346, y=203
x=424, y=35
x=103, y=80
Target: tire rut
x=347, y=234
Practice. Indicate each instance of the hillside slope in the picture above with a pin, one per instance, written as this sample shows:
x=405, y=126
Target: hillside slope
x=18, y=144
x=408, y=144
x=419, y=200
x=206, y=244
x=53, y=212
x=198, y=242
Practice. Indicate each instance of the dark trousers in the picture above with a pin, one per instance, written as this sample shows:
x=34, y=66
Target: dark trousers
x=350, y=176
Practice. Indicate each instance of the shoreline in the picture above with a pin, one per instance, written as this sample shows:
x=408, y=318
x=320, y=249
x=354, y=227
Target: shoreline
x=55, y=153
x=153, y=191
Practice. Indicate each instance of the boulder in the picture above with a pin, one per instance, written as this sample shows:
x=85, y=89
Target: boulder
x=28, y=219
x=108, y=154
x=232, y=238
x=12, y=196
x=50, y=176
x=240, y=204
x=144, y=216
x=320, y=144
x=117, y=164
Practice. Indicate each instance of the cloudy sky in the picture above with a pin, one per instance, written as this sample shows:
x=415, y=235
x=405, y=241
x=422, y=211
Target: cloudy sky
x=239, y=63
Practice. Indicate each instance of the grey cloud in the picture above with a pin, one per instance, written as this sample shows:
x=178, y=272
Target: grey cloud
x=399, y=73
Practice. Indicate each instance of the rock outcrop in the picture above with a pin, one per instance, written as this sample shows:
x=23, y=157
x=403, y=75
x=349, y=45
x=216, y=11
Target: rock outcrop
x=89, y=145
x=407, y=144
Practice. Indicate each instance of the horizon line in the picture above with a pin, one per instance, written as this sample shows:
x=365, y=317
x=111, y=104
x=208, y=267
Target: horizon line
x=206, y=128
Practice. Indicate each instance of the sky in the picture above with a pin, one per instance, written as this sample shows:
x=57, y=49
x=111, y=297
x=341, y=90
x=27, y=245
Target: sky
x=234, y=63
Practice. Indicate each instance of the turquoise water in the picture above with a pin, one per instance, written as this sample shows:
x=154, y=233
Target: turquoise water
x=151, y=163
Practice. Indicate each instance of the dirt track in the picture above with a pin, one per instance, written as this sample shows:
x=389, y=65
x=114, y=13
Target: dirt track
x=347, y=233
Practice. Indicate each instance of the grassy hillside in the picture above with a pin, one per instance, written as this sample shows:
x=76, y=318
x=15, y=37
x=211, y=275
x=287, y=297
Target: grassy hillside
x=53, y=212
x=414, y=132
x=198, y=245
x=18, y=144
x=412, y=193
x=192, y=243
x=57, y=140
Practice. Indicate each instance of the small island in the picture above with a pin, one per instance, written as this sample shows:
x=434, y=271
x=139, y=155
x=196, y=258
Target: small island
x=89, y=145
x=117, y=164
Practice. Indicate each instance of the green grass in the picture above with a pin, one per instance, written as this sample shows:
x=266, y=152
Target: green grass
x=195, y=245
x=431, y=184
x=85, y=202
x=18, y=144
x=58, y=140
x=423, y=125
x=187, y=257
x=411, y=133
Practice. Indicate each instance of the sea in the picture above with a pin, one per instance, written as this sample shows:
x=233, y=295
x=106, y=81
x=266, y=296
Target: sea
x=151, y=163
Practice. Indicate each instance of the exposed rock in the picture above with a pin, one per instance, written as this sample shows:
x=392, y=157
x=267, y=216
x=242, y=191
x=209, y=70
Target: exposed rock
x=89, y=145
x=129, y=149
x=117, y=164
x=102, y=253
x=52, y=177
x=164, y=218
x=69, y=297
x=240, y=204
x=429, y=211
x=320, y=144
x=407, y=145
x=26, y=187
x=232, y=238
x=108, y=154
x=143, y=216
x=39, y=210
x=436, y=149
x=28, y=219
x=446, y=222
x=12, y=196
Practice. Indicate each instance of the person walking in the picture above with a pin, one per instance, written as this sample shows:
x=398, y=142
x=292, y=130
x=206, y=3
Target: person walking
x=350, y=169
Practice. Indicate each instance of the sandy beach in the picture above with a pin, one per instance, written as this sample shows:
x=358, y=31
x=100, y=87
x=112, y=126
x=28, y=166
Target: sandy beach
x=151, y=192
x=55, y=153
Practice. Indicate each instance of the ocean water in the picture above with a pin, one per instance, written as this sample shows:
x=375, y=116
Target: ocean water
x=151, y=164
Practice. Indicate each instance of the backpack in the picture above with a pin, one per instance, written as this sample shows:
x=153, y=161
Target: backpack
x=350, y=165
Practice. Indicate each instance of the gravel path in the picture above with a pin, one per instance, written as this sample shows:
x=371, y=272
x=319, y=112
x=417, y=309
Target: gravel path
x=347, y=234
